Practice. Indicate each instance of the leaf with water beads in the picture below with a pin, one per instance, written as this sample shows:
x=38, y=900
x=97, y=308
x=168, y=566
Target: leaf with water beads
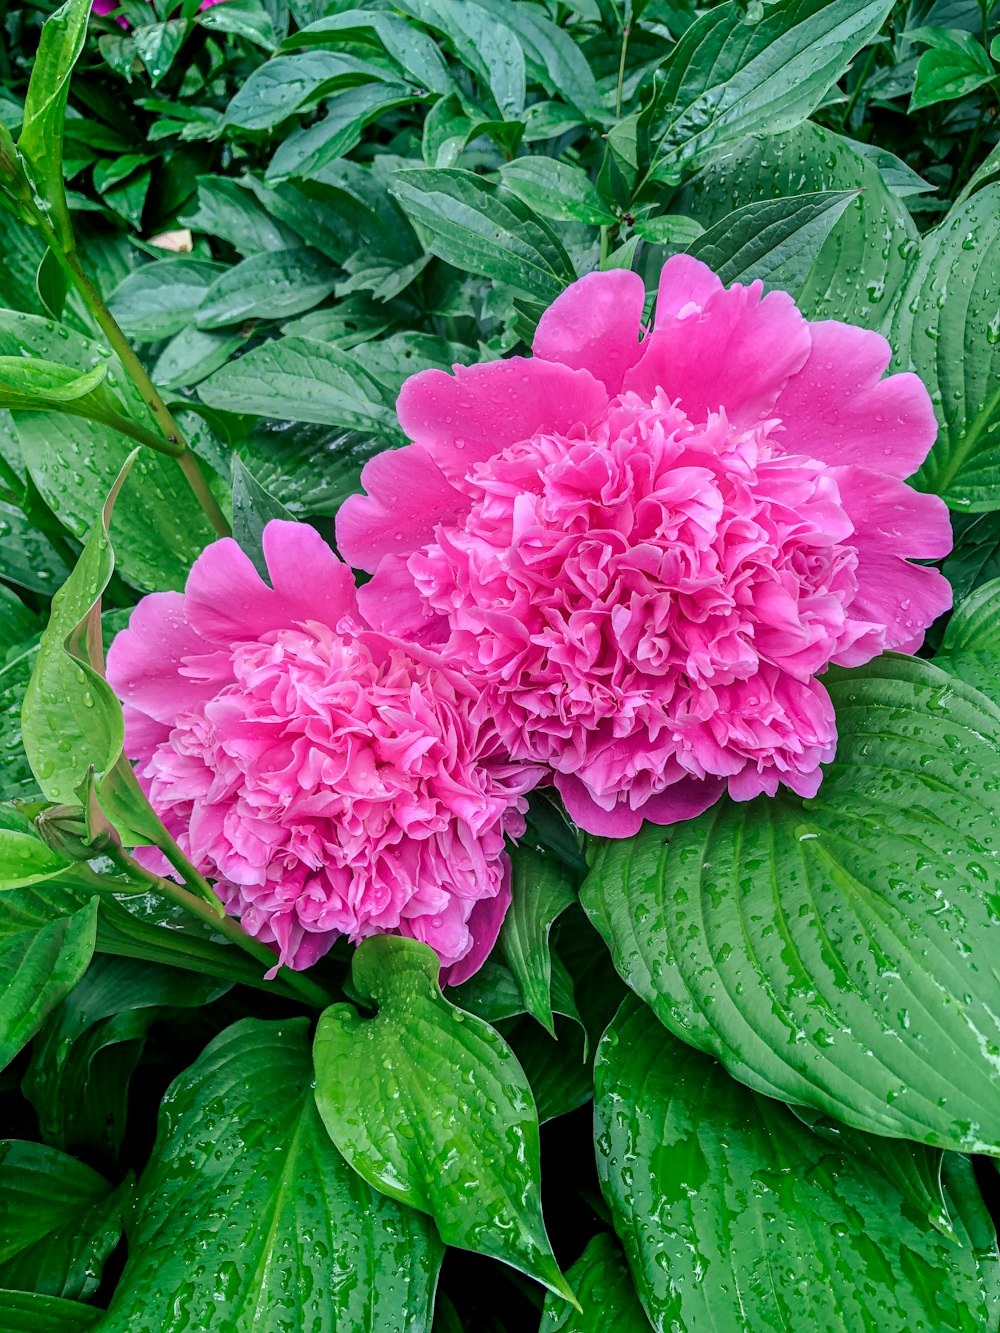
x=429, y=1104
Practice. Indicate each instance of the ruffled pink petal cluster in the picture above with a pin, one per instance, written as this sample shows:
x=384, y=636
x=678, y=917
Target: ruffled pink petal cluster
x=645, y=546
x=331, y=779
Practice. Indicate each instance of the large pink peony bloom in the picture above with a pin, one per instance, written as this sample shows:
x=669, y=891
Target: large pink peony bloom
x=331, y=778
x=646, y=551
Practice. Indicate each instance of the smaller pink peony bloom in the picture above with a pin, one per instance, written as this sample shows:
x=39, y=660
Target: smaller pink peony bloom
x=648, y=545
x=331, y=779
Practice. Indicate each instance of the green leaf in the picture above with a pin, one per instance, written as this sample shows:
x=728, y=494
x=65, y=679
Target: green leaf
x=253, y=509
x=776, y=240
x=833, y=952
x=553, y=57
x=971, y=646
x=228, y=210
x=296, y=379
x=247, y=1215
x=159, y=299
x=541, y=888
x=27, y=1312
x=557, y=1069
x=25, y=859
x=74, y=463
x=484, y=44
x=71, y=721
x=192, y=356
x=734, y=1215
x=244, y=18
x=955, y=65
x=479, y=227
x=727, y=78
x=313, y=468
x=948, y=328
x=556, y=190
x=107, y=1015
x=604, y=1289
x=857, y=272
x=29, y=384
x=674, y=230
x=159, y=45
x=61, y=1220
x=268, y=286
x=430, y=1106
x=415, y=53
x=296, y=83
x=308, y=152
x=41, y=140
x=40, y=962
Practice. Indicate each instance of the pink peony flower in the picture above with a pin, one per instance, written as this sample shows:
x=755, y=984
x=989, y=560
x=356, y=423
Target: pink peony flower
x=646, y=551
x=330, y=778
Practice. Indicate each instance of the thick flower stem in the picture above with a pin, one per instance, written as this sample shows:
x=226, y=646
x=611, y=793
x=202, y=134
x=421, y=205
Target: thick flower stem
x=172, y=441
x=315, y=996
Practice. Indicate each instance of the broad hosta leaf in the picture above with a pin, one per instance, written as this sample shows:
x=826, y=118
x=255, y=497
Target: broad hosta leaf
x=735, y=1216
x=74, y=463
x=975, y=558
x=60, y=1222
x=45, y=946
x=776, y=240
x=541, y=887
x=275, y=285
x=948, y=328
x=608, y=1303
x=971, y=645
x=428, y=1103
x=835, y=952
x=27, y=1312
x=313, y=468
x=71, y=721
x=41, y=139
x=483, y=228
x=159, y=299
x=249, y=1218
x=861, y=265
x=727, y=78
x=297, y=379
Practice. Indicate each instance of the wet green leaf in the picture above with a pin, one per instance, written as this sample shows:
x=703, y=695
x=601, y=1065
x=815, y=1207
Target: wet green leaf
x=275, y=285
x=955, y=65
x=413, y=50
x=556, y=190
x=296, y=83
x=428, y=1103
x=247, y=1215
x=484, y=43
x=833, y=952
x=604, y=1289
x=971, y=645
x=735, y=1216
x=253, y=509
x=541, y=888
x=27, y=1312
x=159, y=299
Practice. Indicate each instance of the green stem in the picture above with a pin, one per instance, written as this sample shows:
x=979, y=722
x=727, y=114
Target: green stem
x=172, y=438
x=128, y=427
x=309, y=991
x=605, y=243
x=974, y=140
x=862, y=79
x=626, y=31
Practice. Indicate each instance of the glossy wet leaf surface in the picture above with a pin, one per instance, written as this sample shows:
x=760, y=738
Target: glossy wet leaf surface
x=736, y=1217
x=605, y=1292
x=837, y=952
x=428, y=1103
x=971, y=645
x=248, y=1217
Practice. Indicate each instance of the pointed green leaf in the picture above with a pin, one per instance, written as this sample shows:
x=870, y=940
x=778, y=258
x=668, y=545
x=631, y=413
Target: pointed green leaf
x=735, y=1216
x=25, y=859
x=428, y=1104
x=541, y=888
x=248, y=1217
x=836, y=952
x=27, y=1312
x=608, y=1303
x=275, y=285
x=253, y=509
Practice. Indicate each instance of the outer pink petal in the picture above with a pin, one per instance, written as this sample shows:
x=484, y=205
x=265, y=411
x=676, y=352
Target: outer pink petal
x=894, y=522
x=620, y=822
x=838, y=408
x=390, y=603
x=143, y=660
x=594, y=325
x=407, y=496
x=467, y=417
x=227, y=600
x=721, y=349
x=484, y=924
x=683, y=800
x=684, y=281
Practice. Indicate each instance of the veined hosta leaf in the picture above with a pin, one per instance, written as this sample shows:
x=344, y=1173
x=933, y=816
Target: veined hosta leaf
x=248, y=1217
x=159, y=299
x=275, y=285
x=60, y=1221
x=838, y=953
x=428, y=1104
x=46, y=942
x=297, y=379
x=736, y=1217
x=948, y=327
x=971, y=645
x=483, y=228
x=860, y=266
x=608, y=1303
x=776, y=240
x=74, y=463
x=727, y=78
x=27, y=1312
